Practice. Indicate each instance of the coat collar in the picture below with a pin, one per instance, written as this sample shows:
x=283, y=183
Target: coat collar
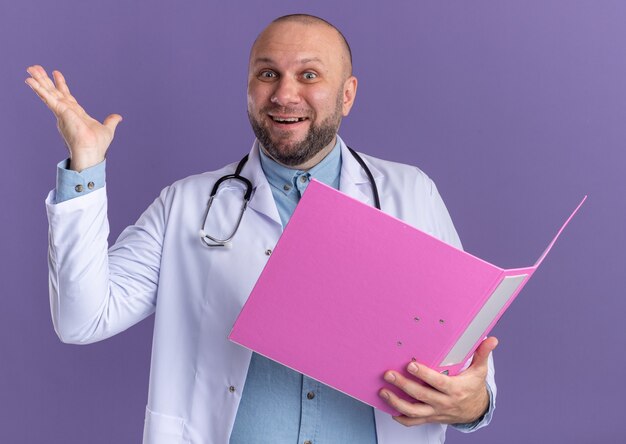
x=353, y=181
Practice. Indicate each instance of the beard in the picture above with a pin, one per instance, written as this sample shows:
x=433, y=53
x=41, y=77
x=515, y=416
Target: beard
x=297, y=153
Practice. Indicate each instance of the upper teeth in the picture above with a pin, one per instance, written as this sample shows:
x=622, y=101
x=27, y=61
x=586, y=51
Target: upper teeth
x=288, y=119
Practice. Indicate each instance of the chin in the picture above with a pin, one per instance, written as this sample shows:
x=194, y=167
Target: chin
x=287, y=146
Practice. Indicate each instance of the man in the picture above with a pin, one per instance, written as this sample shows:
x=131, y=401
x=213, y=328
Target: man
x=300, y=85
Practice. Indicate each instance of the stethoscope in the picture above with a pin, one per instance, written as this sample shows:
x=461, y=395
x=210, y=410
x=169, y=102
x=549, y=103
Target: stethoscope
x=211, y=241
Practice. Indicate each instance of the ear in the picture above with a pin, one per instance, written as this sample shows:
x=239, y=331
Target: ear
x=349, y=94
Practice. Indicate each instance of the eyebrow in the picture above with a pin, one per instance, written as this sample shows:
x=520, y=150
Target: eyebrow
x=301, y=61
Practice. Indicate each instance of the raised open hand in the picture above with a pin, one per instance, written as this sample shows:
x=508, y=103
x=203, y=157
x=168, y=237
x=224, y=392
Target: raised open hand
x=85, y=137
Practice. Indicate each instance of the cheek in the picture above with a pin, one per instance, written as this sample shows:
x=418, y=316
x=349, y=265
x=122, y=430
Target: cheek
x=250, y=102
x=319, y=95
x=322, y=100
x=258, y=96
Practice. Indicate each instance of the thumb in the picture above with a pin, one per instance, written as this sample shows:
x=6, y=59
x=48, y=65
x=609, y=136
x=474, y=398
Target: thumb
x=112, y=121
x=481, y=355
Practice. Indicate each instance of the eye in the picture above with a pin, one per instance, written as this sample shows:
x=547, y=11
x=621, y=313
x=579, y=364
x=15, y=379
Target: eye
x=309, y=75
x=267, y=74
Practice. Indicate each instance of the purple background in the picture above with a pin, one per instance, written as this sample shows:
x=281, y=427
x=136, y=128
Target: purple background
x=516, y=109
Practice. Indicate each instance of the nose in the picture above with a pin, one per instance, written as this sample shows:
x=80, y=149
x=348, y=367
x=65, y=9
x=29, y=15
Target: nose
x=286, y=92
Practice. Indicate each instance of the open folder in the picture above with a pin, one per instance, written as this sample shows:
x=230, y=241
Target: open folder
x=350, y=292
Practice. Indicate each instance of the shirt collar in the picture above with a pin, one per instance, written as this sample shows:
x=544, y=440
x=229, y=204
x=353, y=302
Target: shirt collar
x=285, y=179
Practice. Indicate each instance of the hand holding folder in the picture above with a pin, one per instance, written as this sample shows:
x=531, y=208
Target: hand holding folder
x=439, y=398
x=371, y=290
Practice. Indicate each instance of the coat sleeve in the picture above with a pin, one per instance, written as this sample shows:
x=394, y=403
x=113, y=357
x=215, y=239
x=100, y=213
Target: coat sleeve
x=96, y=292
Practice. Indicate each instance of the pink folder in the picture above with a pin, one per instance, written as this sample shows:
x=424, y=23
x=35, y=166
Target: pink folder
x=350, y=292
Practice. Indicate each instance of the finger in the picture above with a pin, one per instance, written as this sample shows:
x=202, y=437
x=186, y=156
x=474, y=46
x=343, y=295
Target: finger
x=39, y=74
x=404, y=407
x=410, y=422
x=112, y=121
x=431, y=377
x=480, y=361
x=43, y=93
x=60, y=82
x=413, y=388
x=42, y=85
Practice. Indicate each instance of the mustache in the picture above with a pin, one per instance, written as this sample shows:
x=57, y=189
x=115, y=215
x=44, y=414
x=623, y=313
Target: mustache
x=286, y=110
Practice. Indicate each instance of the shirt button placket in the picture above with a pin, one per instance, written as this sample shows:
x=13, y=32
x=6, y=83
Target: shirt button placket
x=310, y=416
x=302, y=182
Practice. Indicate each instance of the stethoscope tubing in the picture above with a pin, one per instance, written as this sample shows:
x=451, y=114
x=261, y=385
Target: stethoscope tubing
x=214, y=242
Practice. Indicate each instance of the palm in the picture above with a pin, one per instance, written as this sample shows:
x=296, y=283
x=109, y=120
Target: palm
x=86, y=138
x=78, y=128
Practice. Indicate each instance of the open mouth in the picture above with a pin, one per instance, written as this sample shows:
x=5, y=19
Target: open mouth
x=288, y=120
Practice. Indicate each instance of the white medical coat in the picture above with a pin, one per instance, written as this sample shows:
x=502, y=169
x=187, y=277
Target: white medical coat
x=159, y=265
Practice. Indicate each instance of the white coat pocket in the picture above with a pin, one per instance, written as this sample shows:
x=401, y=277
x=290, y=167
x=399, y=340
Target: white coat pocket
x=163, y=429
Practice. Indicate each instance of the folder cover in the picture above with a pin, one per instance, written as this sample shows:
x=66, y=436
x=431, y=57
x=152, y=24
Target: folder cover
x=350, y=292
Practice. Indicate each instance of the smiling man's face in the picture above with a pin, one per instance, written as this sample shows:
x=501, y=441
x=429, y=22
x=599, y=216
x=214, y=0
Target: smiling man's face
x=299, y=88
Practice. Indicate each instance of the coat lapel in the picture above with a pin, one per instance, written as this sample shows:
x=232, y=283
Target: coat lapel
x=262, y=200
x=354, y=181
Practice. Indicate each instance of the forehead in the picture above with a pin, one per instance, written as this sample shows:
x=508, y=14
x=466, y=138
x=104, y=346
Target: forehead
x=289, y=42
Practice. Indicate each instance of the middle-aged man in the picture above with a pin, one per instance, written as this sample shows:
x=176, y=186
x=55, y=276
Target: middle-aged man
x=203, y=388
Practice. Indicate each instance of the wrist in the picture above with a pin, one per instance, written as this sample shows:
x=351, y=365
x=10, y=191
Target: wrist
x=483, y=408
x=84, y=161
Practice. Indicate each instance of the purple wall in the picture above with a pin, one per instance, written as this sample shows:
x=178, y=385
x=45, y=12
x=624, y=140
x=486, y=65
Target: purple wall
x=492, y=99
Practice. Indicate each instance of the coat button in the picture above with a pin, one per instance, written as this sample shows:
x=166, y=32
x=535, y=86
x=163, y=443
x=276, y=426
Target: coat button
x=268, y=252
x=78, y=188
x=90, y=185
x=231, y=389
x=310, y=395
